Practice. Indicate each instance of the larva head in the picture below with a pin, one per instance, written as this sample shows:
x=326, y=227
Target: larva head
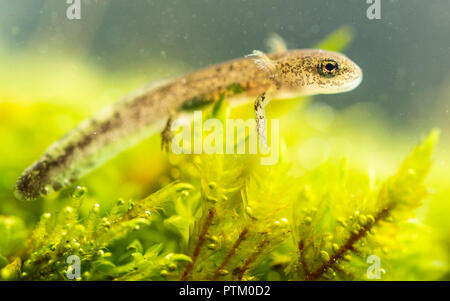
x=311, y=72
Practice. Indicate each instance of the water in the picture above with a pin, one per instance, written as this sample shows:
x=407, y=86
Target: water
x=55, y=71
x=403, y=54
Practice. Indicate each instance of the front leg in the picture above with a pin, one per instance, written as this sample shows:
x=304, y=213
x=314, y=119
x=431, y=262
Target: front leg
x=269, y=67
x=260, y=115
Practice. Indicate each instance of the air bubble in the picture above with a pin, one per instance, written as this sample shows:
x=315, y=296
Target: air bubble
x=341, y=221
x=324, y=256
x=68, y=209
x=335, y=247
x=307, y=220
x=223, y=272
x=213, y=238
x=212, y=185
x=211, y=199
x=362, y=220
x=79, y=192
x=370, y=219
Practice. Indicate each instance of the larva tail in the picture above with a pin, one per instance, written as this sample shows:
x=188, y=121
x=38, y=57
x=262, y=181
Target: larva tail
x=92, y=143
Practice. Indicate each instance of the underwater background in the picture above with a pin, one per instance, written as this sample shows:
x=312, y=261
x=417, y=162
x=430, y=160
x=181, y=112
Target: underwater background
x=144, y=214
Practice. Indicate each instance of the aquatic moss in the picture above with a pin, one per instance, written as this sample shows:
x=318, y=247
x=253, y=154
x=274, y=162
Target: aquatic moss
x=220, y=217
x=229, y=219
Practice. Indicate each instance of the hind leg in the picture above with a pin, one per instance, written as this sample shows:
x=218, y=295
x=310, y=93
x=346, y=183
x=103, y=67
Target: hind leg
x=167, y=135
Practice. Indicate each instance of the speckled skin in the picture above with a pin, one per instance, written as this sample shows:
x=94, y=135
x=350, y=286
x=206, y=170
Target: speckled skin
x=145, y=111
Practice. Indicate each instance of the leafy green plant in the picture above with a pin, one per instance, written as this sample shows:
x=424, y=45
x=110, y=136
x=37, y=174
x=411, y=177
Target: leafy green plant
x=226, y=217
x=229, y=218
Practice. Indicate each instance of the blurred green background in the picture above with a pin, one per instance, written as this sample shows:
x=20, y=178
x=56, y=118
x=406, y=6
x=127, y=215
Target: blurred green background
x=55, y=72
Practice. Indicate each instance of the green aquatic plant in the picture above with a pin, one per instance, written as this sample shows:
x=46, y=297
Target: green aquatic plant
x=321, y=213
x=229, y=218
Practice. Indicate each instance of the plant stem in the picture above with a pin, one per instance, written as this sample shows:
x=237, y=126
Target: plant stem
x=348, y=245
x=301, y=250
x=199, y=244
x=252, y=257
x=230, y=253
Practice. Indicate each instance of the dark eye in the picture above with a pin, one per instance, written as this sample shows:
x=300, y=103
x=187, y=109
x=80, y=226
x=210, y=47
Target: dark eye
x=328, y=68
